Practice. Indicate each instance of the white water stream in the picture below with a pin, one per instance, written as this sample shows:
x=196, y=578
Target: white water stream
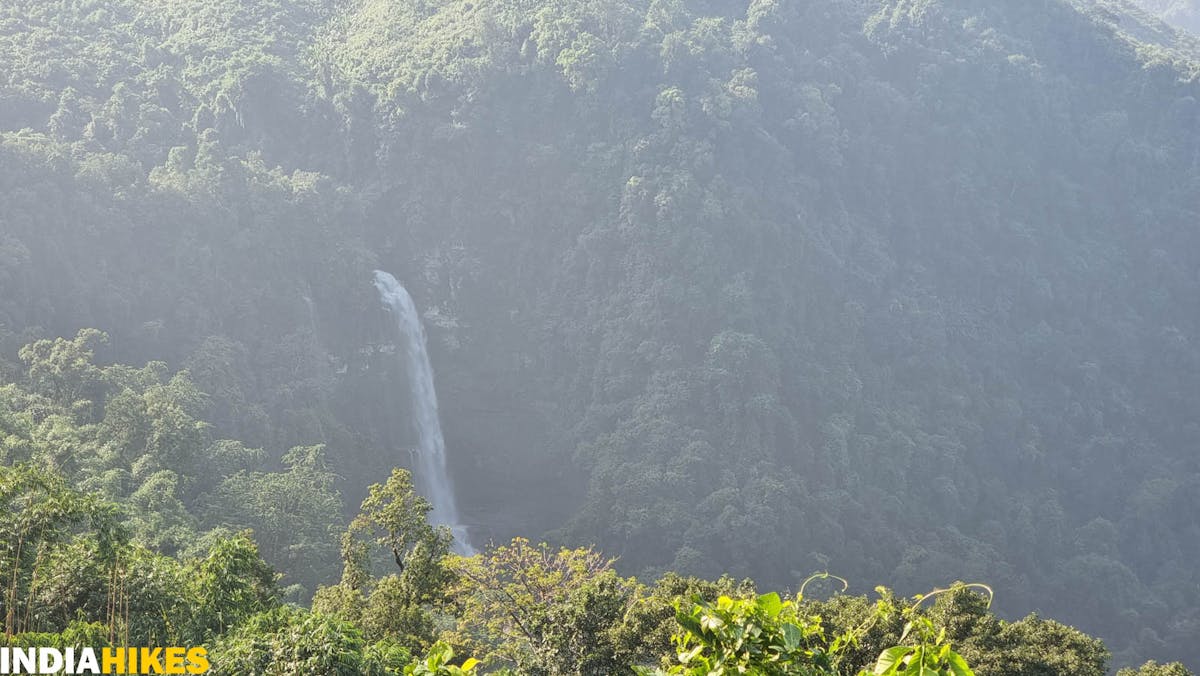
x=430, y=471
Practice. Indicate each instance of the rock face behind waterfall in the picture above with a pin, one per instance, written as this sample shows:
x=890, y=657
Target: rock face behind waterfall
x=430, y=462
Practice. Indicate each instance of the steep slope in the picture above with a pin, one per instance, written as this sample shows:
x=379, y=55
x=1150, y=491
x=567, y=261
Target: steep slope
x=904, y=289
x=896, y=291
x=1184, y=14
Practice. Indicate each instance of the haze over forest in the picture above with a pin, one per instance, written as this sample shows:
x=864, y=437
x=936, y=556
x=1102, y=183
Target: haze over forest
x=902, y=290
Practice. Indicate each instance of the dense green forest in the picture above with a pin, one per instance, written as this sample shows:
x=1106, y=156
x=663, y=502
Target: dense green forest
x=904, y=290
x=126, y=523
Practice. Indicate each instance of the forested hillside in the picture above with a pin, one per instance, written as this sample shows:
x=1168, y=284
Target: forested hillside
x=1183, y=14
x=900, y=289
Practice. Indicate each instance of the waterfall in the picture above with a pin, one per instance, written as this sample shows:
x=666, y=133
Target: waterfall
x=430, y=471
x=312, y=313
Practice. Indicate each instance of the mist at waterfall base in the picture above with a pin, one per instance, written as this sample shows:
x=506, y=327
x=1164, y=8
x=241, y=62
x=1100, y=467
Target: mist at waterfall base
x=430, y=473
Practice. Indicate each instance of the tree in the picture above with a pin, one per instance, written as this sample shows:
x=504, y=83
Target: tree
x=644, y=633
x=398, y=606
x=542, y=611
x=395, y=515
x=63, y=369
x=761, y=635
x=230, y=583
x=159, y=518
x=769, y=635
x=289, y=641
x=293, y=514
x=39, y=511
x=1153, y=668
x=438, y=663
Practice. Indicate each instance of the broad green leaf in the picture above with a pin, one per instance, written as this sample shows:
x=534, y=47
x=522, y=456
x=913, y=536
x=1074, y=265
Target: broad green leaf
x=792, y=636
x=918, y=665
x=687, y=657
x=890, y=659
x=711, y=622
x=690, y=623
x=958, y=666
x=771, y=604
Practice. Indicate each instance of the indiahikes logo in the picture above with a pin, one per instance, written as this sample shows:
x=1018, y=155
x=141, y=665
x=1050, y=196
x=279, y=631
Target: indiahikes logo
x=103, y=661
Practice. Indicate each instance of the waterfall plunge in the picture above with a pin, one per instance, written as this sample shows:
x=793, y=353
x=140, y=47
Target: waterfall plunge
x=430, y=471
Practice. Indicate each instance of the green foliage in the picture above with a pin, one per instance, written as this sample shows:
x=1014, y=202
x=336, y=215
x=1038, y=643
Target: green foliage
x=386, y=657
x=931, y=656
x=890, y=287
x=762, y=635
x=644, y=635
x=1153, y=668
x=542, y=611
x=289, y=512
x=287, y=641
x=437, y=663
x=68, y=567
x=396, y=515
x=62, y=369
x=770, y=635
x=40, y=512
x=1035, y=645
x=138, y=439
x=232, y=583
x=75, y=579
x=398, y=607
x=77, y=634
x=1029, y=646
